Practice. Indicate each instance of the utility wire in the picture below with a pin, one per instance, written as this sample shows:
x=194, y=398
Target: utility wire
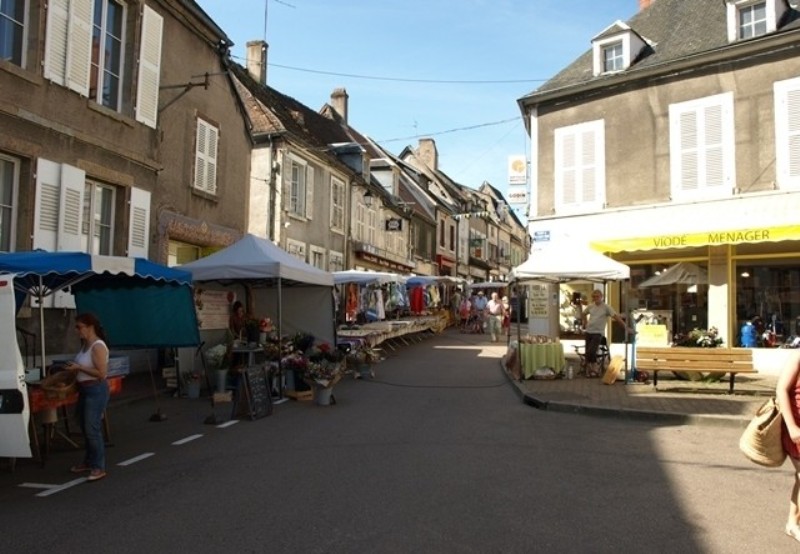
x=456, y=130
x=400, y=79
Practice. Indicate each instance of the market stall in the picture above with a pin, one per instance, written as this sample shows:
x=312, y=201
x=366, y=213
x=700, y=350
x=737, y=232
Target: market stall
x=141, y=304
x=368, y=296
x=553, y=264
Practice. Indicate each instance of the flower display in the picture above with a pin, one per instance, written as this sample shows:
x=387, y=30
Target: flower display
x=265, y=325
x=324, y=352
x=295, y=361
x=216, y=356
x=700, y=338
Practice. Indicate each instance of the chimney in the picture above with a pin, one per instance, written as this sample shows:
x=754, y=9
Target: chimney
x=257, y=60
x=644, y=4
x=428, y=154
x=339, y=99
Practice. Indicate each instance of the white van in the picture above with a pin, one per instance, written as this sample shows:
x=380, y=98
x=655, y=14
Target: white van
x=14, y=409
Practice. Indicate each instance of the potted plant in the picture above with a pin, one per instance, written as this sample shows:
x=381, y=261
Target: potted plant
x=324, y=369
x=217, y=359
x=362, y=358
x=294, y=365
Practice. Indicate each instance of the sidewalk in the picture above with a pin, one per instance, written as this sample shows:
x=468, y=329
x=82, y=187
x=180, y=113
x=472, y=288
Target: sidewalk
x=675, y=402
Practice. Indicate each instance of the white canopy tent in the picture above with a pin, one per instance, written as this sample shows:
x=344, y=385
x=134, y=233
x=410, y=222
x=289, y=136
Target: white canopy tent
x=367, y=277
x=560, y=264
x=281, y=280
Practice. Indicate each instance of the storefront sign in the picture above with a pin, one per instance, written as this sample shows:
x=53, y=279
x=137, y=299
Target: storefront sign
x=394, y=224
x=517, y=195
x=517, y=170
x=213, y=308
x=710, y=238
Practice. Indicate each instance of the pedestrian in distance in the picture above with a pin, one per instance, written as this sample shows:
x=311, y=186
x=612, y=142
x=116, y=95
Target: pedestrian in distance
x=495, y=313
x=787, y=393
x=91, y=369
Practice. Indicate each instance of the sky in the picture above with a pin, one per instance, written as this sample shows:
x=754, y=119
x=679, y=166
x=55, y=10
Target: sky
x=450, y=70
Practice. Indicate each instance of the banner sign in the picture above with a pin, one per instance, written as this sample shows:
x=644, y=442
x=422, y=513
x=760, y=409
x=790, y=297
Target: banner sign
x=394, y=224
x=517, y=195
x=517, y=170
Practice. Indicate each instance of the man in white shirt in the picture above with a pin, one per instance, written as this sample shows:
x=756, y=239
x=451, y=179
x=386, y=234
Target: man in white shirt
x=595, y=317
x=496, y=311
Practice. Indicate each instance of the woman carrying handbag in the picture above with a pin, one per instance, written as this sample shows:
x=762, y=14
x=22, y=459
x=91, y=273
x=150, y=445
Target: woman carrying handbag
x=787, y=393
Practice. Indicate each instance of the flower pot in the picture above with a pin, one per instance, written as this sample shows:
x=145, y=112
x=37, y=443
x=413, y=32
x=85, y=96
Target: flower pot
x=193, y=389
x=322, y=395
x=364, y=370
x=221, y=378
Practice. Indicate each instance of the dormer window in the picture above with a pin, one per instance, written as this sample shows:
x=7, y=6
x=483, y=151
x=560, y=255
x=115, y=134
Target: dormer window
x=753, y=18
x=615, y=49
x=613, y=59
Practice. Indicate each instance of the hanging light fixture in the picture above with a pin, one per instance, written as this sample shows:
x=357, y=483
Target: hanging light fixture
x=368, y=199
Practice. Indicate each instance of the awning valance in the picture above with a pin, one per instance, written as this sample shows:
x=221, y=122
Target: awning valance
x=705, y=238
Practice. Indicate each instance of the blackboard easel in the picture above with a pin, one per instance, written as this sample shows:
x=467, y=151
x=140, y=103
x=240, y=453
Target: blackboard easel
x=257, y=392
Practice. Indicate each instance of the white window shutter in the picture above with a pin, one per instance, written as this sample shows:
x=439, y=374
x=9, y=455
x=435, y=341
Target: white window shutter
x=73, y=184
x=139, y=223
x=55, y=52
x=689, y=151
x=149, y=68
x=588, y=165
x=48, y=193
x=205, y=177
x=309, y=192
x=79, y=46
x=714, y=152
x=793, y=138
x=569, y=184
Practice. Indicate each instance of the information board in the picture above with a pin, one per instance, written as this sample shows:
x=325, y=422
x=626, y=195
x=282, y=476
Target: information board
x=258, y=395
x=213, y=308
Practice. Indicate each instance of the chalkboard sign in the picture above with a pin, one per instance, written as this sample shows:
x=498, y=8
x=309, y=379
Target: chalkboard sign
x=258, y=395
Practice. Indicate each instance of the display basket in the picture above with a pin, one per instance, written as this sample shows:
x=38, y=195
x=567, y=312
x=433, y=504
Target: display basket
x=60, y=385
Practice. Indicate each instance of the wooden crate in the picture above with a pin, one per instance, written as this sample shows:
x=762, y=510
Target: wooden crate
x=299, y=395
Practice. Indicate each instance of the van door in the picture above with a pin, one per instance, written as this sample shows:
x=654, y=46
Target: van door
x=14, y=410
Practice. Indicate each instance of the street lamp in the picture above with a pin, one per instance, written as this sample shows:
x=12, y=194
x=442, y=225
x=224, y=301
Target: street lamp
x=368, y=199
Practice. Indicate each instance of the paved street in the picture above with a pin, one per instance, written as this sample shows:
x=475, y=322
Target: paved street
x=437, y=454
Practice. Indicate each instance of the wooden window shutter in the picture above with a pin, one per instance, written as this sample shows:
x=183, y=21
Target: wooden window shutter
x=793, y=138
x=569, y=172
x=149, y=68
x=588, y=166
x=309, y=192
x=714, y=147
x=79, y=45
x=55, y=53
x=205, y=177
x=689, y=151
x=139, y=223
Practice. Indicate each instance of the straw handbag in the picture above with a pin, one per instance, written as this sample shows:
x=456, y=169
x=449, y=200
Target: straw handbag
x=761, y=440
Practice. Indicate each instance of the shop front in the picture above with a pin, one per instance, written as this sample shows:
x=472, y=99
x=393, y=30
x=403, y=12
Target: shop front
x=742, y=280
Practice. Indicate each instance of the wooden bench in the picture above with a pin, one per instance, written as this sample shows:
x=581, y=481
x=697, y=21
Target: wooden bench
x=724, y=360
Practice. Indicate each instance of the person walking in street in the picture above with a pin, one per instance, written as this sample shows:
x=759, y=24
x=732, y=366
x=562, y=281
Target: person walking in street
x=787, y=393
x=495, y=312
x=595, y=318
x=479, y=303
x=91, y=369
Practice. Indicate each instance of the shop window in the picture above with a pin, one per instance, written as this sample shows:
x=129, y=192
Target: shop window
x=767, y=297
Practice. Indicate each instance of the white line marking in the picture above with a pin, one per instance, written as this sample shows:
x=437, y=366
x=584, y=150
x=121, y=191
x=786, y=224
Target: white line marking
x=37, y=485
x=187, y=439
x=65, y=486
x=137, y=459
x=227, y=424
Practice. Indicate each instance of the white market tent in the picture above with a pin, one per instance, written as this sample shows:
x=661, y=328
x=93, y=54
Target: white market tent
x=298, y=296
x=489, y=285
x=572, y=263
x=367, y=277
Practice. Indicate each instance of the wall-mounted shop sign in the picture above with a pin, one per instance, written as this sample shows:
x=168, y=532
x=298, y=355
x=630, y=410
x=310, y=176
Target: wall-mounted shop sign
x=708, y=238
x=394, y=224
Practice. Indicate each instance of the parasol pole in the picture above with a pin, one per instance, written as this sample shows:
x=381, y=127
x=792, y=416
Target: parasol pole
x=280, y=343
x=40, y=295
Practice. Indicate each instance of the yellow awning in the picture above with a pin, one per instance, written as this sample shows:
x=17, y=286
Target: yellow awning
x=706, y=238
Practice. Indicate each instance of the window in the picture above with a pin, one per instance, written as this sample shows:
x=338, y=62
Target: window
x=753, y=20
x=452, y=237
x=107, y=53
x=9, y=183
x=372, y=226
x=361, y=217
x=205, y=170
x=613, y=59
x=337, y=204
x=180, y=253
x=580, y=167
x=317, y=257
x=98, y=219
x=787, y=133
x=300, y=188
x=441, y=234
x=296, y=249
x=702, y=147
x=12, y=31
x=335, y=261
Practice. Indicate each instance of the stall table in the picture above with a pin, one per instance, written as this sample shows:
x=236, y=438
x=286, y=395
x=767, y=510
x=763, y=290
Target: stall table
x=40, y=403
x=534, y=356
